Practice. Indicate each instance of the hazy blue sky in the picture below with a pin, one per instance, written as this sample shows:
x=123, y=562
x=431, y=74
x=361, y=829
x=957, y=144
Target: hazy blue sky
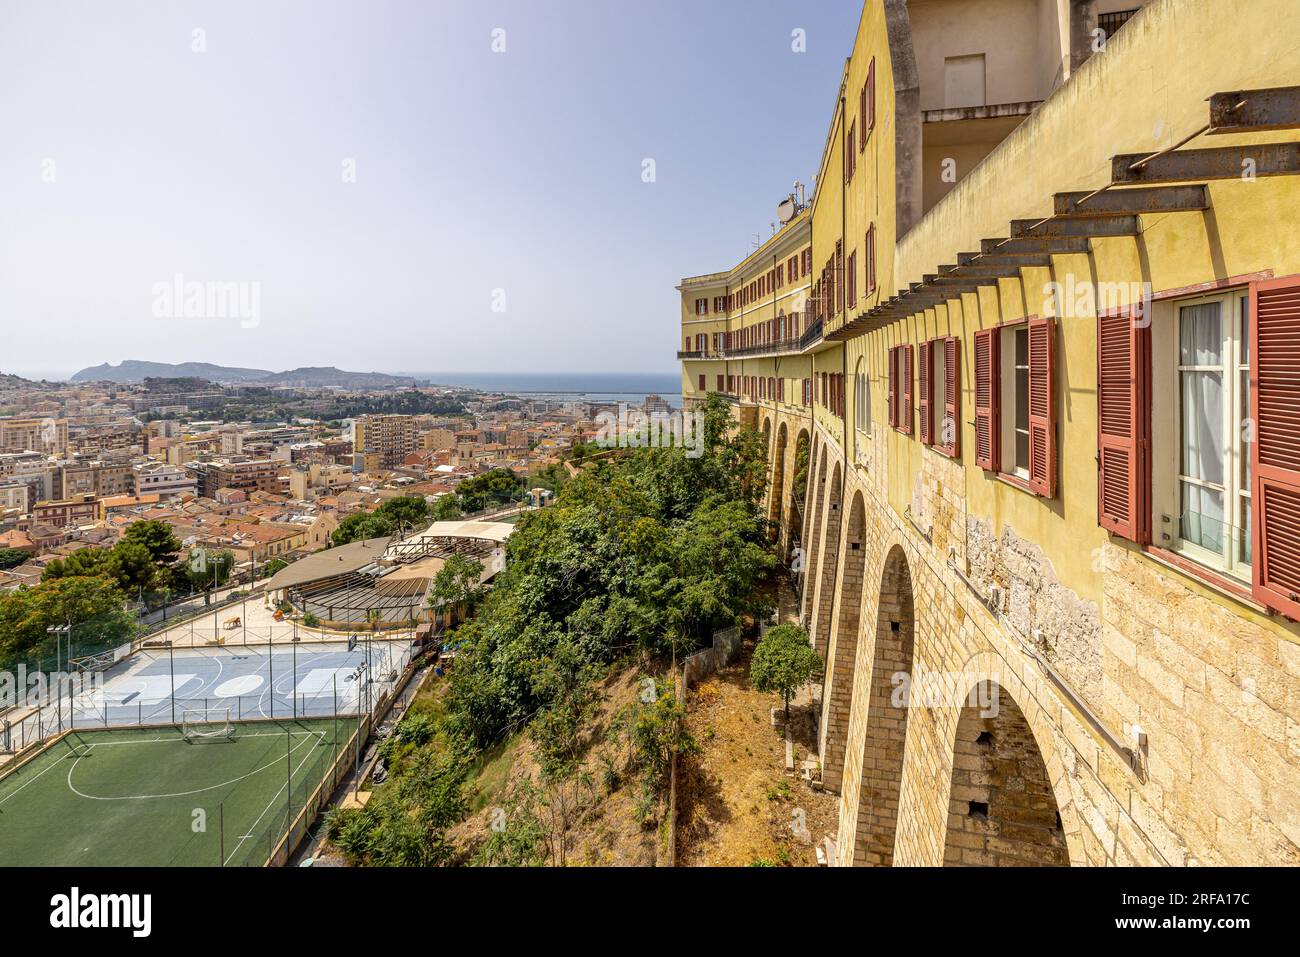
x=128, y=158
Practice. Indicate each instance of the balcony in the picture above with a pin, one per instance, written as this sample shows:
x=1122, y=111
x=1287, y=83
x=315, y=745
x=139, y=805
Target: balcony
x=811, y=336
x=691, y=354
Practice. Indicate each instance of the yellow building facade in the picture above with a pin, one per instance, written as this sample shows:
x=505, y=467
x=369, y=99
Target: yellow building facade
x=1049, y=537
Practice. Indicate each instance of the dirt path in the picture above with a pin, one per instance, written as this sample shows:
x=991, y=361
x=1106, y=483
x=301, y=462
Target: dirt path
x=738, y=806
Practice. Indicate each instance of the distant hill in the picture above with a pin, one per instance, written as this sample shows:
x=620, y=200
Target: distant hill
x=327, y=376
x=9, y=381
x=136, y=370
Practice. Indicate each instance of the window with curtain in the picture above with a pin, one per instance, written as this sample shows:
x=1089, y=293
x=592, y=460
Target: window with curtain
x=1213, y=458
x=862, y=401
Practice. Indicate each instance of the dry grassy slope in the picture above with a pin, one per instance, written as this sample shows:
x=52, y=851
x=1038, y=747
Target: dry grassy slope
x=603, y=829
x=736, y=803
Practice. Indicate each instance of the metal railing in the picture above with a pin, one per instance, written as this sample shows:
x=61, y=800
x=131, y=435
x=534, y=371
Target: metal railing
x=1108, y=23
x=812, y=335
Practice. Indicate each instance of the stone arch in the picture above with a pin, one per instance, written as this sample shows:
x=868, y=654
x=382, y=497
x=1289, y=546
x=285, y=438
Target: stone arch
x=775, y=502
x=812, y=536
x=801, y=479
x=1002, y=805
x=887, y=709
x=841, y=658
x=827, y=564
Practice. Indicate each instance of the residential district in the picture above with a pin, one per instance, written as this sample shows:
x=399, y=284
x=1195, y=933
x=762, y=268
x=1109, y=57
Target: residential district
x=80, y=463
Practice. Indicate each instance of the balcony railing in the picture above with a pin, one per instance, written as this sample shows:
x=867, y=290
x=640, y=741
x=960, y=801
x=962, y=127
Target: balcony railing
x=763, y=348
x=691, y=354
x=812, y=335
x=1110, y=22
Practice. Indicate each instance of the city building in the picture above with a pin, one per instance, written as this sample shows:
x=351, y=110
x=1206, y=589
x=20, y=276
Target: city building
x=165, y=481
x=392, y=437
x=257, y=475
x=46, y=435
x=61, y=513
x=1044, y=385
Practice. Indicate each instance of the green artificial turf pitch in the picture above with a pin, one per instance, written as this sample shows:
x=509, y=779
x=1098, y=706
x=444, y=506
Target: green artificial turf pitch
x=146, y=796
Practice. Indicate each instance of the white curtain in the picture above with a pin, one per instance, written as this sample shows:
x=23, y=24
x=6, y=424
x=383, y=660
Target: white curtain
x=1201, y=344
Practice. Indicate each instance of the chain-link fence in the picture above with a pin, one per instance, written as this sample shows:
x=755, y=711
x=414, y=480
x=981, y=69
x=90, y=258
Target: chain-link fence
x=58, y=702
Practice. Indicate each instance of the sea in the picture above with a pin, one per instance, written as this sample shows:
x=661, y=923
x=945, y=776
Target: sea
x=629, y=387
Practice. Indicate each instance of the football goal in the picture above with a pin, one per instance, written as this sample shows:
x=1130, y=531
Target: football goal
x=208, y=724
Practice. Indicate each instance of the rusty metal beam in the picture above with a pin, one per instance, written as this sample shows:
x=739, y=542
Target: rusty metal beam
x=1039, y=245
x=1250, y=111
x=1224, y=162
x=1093, y=226
x=1001, y=265
x=1004, y=265
x=1118, y=202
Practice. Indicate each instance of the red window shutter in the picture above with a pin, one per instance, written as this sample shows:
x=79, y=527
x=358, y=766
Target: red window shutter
x=925, y=375
x=862, y=114
x=1122, y=383
x=871, y=259
x=950, y=430
x=1042, y=424
x=701, y=383
x=893, y=387
x=988, y=422
x=871, y=96
x=1275, y=453
x=906, y=411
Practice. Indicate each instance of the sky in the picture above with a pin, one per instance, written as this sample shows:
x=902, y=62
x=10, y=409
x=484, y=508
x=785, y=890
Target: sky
x=392, y=186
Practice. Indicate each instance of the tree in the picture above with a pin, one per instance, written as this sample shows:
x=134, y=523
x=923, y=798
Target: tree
x=156, y=536
x=446, y=509
x=456, y=582
x=494, y=486
x=783, y=661
x=93, y=606
x=84, y=561
x=360, y=526
x=405, y=512
x=12, y=557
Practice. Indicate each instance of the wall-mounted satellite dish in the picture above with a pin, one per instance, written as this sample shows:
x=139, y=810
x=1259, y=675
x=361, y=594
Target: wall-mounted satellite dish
x=786, y=209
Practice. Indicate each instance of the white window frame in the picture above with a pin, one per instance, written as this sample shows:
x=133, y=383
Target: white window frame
x=1234, y=559
x=1008, y=406
x=862, y=410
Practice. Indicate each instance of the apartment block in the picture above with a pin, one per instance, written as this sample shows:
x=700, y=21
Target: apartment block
x=392, y=437
x=49, y=436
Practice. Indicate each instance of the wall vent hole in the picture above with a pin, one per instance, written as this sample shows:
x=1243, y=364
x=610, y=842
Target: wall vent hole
x=984, y=738
x=894, y=626
x=979, y=810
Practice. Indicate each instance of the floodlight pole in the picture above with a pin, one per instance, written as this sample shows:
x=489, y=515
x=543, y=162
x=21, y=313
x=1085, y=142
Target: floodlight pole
x=171, y=658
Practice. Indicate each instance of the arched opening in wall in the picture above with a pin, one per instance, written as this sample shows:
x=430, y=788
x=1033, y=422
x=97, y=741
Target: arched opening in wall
x=837, y=697
x=775, y=504
x=887, y=711
x=812, y=537
x=828, y=565
x=798, y=496
x=1001, y=810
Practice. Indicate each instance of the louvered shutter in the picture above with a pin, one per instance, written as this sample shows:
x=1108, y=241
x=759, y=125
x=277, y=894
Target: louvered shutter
x=987, y=420
x=906, y=411
x=893, y=387
x=1042, y=424
x=925, y=375
x=1275, y=453
x=950, y=430
x=1122, y=359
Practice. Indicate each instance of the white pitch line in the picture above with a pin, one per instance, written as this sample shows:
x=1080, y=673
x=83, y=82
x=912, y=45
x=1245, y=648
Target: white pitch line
x=273, y=800
x=151, y=797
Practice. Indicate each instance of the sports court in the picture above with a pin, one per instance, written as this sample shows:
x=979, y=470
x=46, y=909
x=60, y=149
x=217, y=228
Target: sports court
x=167, y=796
x=257, y=681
